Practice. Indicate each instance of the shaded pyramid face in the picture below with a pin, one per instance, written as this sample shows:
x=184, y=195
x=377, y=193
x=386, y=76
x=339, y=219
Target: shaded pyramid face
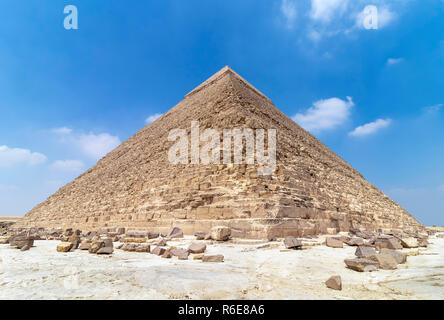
x=136, y=185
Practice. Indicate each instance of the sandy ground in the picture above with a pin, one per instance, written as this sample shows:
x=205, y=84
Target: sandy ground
x=252, y=270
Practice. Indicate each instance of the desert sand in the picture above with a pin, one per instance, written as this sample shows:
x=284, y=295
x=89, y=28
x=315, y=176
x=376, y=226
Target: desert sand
x=251, y=270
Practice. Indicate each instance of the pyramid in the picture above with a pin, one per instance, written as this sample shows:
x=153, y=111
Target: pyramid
x=136, y=186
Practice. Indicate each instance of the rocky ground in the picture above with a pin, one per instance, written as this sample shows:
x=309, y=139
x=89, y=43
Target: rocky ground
x=251, y=270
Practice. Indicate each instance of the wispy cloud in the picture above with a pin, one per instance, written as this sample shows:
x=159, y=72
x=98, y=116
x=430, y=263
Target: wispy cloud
x=62, y=130
x=92, y=145
x=393, y=61
x=324, y=10
x=68, y=165
x=325, y=114
x=288, y=10
x=153, y=118
x=433, y=109
x=14, y=156
x=370, y=128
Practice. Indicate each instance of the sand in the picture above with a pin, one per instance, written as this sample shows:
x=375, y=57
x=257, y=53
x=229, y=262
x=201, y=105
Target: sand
x=252, y=270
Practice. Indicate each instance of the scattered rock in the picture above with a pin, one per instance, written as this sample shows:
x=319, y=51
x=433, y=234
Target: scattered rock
x=198, y=257
x=166, y=254
x=409, y=242
x=120, y=230
x=334, y=282
x=153, y=235
x=388, y=243
x=26, y=247
x=332, y=231
x=220, y=233
x=175, y=233
x=4, y=241
x=399, y=256
x=135, y=240
x=354, y=241
x=162, y=242
x=291, y=242
x=200, y=235
x=64, y=247
x=423, y=242
x=197, y=248
x=158, y=251
x=365, y=252
x=96, y=246
x=143, y=248
x=130, y=247
x=105, y=250
x=21, y=241
x=361, y=264
x=213, y=258
x=182, y=254
x=440, y=236
x=85, y=246
x=385, y=261
x=333, y=243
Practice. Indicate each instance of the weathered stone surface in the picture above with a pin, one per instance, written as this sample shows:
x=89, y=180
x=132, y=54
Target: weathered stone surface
x=85, y=246
x=158, y=251
x=105, y=250
x=25, y=247
x=354, y=241
x=385, y=261
x=292, y=243
x=166, y=254
x=96, y=246
x=21, y=241
x=130, y=247
x=135, y=240
x=409, y=242
x=153, y=235
x=143, y=248
x=361, y=264
x=213, y=258
x=197, y=248
x=422, y=242
x=162, y=242
x=399, y=256
x=365, y=252
x=334, y=282
x=179, y=252
x=175, y=233
x=220, y=233
x=333, y=243
x=388, y=243
x=64, y=247
x=200, y=235
x=136, y=186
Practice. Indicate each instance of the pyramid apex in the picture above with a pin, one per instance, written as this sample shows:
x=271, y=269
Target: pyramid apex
x=221, y=73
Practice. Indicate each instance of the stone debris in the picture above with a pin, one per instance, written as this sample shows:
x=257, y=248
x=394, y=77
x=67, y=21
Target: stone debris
x=166, y=254
x=388, y=243
x=182, y=254
x=200, y=235
x=354, y=241
x=64, y=247
x=333, y=243
x=365, y=252
x=398, y=256
x=409, y=242
x=175, y=233
x=361, y=264
x=162, y=242
x=385, y=261
x=335, y=282
x=153, y=235
x=21, y=241
x=197, y=248
x=220, y=233
x=213, y=258
x=143, y=248
x=291, y=242
x=158, y=251
x=135, y=240
x=198, y=257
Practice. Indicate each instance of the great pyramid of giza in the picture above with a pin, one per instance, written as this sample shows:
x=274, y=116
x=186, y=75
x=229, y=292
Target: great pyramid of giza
x=136, y=186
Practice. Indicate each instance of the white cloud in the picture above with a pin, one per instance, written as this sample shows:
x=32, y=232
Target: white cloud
x=14, y=156
x=371, y=128
x=97, y=146
x=325, y=114
x=68, y=165
x=62, y=130
x=153, y=118
x=324, y=10
x=433, y=109
x=392, y=61
x=288, y=10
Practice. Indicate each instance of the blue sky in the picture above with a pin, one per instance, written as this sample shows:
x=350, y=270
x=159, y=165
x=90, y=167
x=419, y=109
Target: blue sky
x=374, y=96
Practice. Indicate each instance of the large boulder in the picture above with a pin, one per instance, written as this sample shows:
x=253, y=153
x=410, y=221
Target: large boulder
x=409, y=242
x=96, y=246
x=64, y=247
x=388, y=243
x=385, y=261
x=220, y=233
x=200, y=235
x=105, y=250
x=365, y=252
x=175, y=233
x=158, y=251
x=21, y=241
x=354, y=241
x=291, y=242
x=143, y=248
x=180, y=253
x=399, y=256
x=361, y=264
x=197, y=248
x=333, y=243
x=153, y=235
x=334, y=282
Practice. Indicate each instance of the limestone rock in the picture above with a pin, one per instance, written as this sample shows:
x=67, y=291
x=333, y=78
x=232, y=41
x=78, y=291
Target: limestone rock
x=143, y=248
x=388, y=243
x=166, y=254
x=153, y=235
x=21, y=241
x=354, y=241
x=409, y=242
x=64, y=247
x=197, y=248
x=158, y=251
x=220, y=233
x=334, y=282
x=25, y=247
x=96, y=246
x=105, y=250
x=85, y=246
x=385, y=261
x=399, y=256
x=365, y=252
x=213, y=258
x=200, y=235
x=333, y=243
x=162, y=242
x=135, y=240
x=361, y=264
x=175, y=233
x=292, y=243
